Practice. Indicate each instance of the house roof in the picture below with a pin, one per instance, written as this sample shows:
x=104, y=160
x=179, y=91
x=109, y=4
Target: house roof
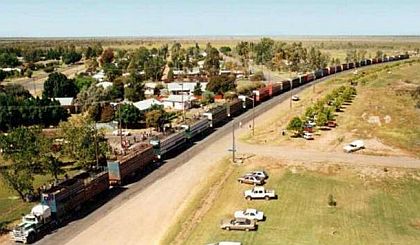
x=146, y=104
x=65, y=101
x=185, y=86
x=105, y=85
x=179, y=98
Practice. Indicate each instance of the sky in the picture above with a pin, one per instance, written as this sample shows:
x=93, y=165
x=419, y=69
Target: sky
x=93, y=18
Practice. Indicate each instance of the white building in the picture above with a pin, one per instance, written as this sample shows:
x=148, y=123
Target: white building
x=146, y=104
x=104, y=85
x=99, y=76
x=184, y=87
x=178, y=102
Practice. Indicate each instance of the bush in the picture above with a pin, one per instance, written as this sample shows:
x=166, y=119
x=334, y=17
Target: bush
x=49, y=69
x=257, y=76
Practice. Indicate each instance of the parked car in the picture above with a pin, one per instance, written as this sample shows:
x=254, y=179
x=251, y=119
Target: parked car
x=295, y=98
x=260, y=173
x=238, y=224
x=251, y=179
x=259, y=192
x=354, y=146
x=123, y=133
x=308, y=136
x=250, y=213
x=225, y=243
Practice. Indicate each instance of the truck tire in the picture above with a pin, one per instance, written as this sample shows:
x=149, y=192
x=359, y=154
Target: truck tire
x=240, y=181
x=228, y=228
x=267, y=198
x=31, y=238
x=248, y=198
x=247, y=229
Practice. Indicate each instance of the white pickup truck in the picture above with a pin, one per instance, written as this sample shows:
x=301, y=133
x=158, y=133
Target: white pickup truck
x=250, y=213
x=259, y=192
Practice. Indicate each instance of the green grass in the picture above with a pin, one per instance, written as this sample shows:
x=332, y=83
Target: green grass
x=380, y=213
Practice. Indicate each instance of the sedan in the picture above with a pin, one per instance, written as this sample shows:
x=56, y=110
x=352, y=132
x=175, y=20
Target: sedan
x=239, y=224
x=250, y=213
x=251, y=179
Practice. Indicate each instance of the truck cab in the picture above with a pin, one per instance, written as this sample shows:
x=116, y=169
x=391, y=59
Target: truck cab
x=32, y=224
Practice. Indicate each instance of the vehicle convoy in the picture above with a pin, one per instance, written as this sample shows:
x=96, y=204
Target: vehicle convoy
x=259, y=192
x=238, y=224
x=69, y=195
x=354, y=146
x=58, y=204
x=251, y=179
x=250, y=213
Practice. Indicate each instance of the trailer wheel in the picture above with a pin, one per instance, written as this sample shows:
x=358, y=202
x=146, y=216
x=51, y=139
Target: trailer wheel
x=267, y=198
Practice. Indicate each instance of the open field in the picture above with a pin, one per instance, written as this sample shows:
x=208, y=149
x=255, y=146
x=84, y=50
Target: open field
x=388, y=121
x=373, y=206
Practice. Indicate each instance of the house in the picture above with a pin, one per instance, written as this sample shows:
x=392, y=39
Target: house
x=99, y=76
x=178, y=102
x=144, y=105
x=104, y=84
x=184, y=87
x=67, y=103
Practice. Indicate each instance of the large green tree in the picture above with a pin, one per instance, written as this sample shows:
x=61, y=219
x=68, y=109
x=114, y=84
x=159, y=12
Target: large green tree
x=58, y=85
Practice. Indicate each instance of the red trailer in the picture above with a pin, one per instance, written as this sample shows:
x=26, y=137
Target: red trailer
x=331, y=70
x=345, y=67
x=262, y=94
x=310, y=77
x=274, y=89
x=325, y=72
x=139, y=157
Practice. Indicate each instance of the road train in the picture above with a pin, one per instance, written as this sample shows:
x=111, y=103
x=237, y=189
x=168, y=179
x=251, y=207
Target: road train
x=70, y=195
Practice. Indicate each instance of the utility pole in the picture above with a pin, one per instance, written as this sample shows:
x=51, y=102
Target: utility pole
x=233, y=142
x=291, y=93
x=120, y=125
x=253, y=114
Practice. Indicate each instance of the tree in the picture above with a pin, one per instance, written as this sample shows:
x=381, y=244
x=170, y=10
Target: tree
x=225, y=50
x=208, y=97
x=221, y=84
x=22, y=147
x=258, y=76
x=111, y=71
x=107, y=56
x=212, y=61
x=52, y=165
x=58, y=85
x=83, y=82
x=3, y=75
x=154, y=118
x=129, y=114
x=71, y=57
x=134, y=91
x=85, y=142
x=321, y=119
x=295, y=125
x=198, y=89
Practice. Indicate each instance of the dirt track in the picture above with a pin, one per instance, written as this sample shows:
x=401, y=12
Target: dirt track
x=143, y=213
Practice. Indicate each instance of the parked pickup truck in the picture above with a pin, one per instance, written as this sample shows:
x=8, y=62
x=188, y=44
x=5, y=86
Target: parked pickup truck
x=238, y=224
x=354, y=146
x=250, y=213
x=259, y=192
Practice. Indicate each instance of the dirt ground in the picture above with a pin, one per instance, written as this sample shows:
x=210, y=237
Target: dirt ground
x=145, y=218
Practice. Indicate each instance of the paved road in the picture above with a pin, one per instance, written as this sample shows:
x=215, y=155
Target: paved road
x=142, y=212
